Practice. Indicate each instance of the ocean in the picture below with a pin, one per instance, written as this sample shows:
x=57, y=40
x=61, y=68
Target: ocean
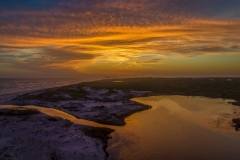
x=14, y=85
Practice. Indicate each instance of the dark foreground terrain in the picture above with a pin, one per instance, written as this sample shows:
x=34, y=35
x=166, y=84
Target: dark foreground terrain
x=108, y=101
x=29, y=134
x=105, y=101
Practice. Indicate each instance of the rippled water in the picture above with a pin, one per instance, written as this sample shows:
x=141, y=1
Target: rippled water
x=12, y=85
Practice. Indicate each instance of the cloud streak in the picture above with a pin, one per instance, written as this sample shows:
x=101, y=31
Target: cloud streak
x=84, y=35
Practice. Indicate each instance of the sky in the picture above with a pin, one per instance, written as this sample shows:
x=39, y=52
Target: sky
x=119, y=38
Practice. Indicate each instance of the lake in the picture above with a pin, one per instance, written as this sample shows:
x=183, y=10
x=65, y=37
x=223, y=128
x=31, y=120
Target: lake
x=177, y=127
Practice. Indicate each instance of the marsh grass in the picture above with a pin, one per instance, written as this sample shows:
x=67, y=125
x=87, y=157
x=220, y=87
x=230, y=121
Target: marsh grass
x=207, y=87
x=18, y=112
x=53, y=94
x=217, y=88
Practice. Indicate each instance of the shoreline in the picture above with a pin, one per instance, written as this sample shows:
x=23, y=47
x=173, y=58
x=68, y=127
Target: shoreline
x=173, y=118
x=104, y=136
x=90, y=131
x=109, y=109
x=54, y=137
x=90, y=94
x=104, y=104
x=126, y=101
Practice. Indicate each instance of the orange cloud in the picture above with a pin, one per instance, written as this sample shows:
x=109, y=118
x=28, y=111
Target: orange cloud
x=115, y=36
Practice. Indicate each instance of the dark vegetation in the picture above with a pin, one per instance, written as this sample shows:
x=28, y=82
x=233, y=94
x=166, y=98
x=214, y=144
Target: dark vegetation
x=236, y=122
x=21, y=112
x=101, y=133
x=97, y=132
x=121, y=117
x=18, y=112
x=226, y=88
x=55, y=94
x=208, y=87
x=53, y=119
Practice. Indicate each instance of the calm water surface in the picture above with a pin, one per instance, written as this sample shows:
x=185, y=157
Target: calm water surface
x=177, y=127
x=57, y=113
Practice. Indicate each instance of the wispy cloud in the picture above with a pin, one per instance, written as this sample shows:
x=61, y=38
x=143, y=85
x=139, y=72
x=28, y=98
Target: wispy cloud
x=84, y=35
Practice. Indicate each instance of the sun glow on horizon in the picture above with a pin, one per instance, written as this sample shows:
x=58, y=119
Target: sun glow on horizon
x=155, y=42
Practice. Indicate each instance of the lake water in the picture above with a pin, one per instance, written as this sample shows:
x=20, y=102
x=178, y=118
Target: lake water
x=177, y=127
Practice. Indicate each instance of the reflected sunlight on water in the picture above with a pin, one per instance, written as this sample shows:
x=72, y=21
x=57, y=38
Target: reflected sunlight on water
x=57, y=113
x=177, y=127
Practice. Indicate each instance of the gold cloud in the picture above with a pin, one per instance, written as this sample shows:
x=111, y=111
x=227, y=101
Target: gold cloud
x=125, y=46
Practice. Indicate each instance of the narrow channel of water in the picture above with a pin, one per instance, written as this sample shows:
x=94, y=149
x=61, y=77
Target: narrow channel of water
x=57, y=113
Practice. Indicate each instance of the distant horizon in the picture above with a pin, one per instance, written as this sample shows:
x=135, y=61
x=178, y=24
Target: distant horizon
x=116, y=77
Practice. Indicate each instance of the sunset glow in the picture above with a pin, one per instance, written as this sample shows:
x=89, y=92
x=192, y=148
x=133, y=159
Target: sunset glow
x=90, y=38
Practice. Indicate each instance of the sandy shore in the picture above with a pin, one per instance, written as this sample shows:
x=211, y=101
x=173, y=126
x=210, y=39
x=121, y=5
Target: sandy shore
x=71, y=140
x=101, y=105
x=29, y=134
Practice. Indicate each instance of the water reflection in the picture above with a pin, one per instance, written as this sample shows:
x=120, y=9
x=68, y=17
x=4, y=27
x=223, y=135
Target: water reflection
x=177, y=127
x=57, y=113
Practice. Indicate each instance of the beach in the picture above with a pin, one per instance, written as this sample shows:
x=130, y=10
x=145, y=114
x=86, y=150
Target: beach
x=110, y=111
